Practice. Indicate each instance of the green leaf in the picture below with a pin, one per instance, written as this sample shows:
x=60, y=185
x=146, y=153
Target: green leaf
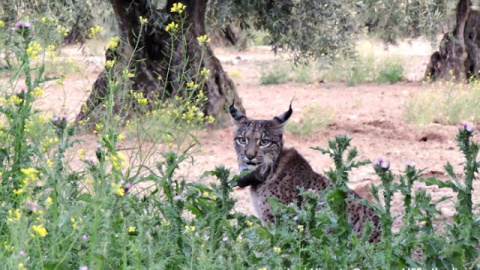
x=441, y=184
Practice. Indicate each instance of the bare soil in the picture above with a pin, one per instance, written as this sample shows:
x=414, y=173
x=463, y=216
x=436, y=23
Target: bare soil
x=372, y=114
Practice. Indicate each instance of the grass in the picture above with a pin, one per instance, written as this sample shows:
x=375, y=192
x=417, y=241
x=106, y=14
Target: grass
x=314, y=119
x=445, y=103
x=390, y=71
x=366, y=67
x=276, y=73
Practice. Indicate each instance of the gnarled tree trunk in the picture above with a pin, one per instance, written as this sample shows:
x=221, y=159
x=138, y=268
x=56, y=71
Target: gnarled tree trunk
x=459, y=54
x=156, y=56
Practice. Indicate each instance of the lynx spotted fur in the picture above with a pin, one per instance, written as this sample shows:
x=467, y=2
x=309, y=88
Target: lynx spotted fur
x=278, y=172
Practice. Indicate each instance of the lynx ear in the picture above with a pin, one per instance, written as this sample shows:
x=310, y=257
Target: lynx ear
x=282, y=119
x=238, y=116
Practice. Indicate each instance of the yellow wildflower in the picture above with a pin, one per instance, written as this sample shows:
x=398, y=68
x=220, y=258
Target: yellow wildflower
x=113, y=43
x=30, y=173
x=16, y=100
x=262, y=268
x=171, y=27
x=165, y=223
x=48, y=202
x=249, y=223
x=2, y=23
x=203, y=39
x=14, y=215
x=33, y=49
x=109, y=63
x=21, y=266
x=192, y=85
x=37, y=92
x=117, y=189
x=301, y=228
x=81, y=154
x=159, y=77
x=95, y=30
x=277, y=249
x=210, y=119
x=131, y=229
x=205, y=72
x=39, y=230
x=127, y=74
x=63, y=30
x=143, y=20
x=178, y=8
x=142, y=101
x=121, y=137
x=98, y=128
x=189, y=228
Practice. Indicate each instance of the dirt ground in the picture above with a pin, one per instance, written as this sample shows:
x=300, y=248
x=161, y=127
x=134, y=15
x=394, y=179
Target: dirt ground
x=370, y=113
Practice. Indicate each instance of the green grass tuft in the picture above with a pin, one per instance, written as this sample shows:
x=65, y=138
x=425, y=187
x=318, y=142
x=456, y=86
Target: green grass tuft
x=314, y=119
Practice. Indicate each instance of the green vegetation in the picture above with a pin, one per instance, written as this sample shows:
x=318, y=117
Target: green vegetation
x=276, y=73
x=390, y=71
x=314, y=119
x=445, y=103
x=363, y=69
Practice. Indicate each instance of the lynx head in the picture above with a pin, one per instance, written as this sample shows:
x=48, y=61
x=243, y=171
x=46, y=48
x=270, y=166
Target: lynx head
x=258, y=142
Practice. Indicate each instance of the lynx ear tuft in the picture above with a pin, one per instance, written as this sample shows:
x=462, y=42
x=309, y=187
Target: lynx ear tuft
x=237, y=115
x=281, y=119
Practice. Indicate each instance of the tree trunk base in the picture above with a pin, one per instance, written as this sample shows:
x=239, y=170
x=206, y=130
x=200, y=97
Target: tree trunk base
x=163, y=65
x=459, y=54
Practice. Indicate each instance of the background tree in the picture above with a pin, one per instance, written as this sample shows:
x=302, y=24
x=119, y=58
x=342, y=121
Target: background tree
x=459, y=53
x=76, y=15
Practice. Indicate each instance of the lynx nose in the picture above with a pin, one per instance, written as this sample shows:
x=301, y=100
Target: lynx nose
x=250, y=157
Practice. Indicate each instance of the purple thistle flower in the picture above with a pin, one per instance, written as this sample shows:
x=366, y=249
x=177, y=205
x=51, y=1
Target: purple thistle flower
x=127, y=187
x=22, y=253
x=32, y=206
x=85, y=237
x=64, y=117
x=469, y=128
x=90, y=160
x=295, y=218
x=27, y=24
x=55, y=119
x=19, y=24
x=410, y=164
x=83, y=267
x=385, y=165
x=465, y=126
x=225, y=239
x=377, y=161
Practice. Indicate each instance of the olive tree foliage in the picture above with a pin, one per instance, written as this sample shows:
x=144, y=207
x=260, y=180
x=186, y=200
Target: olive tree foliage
x=76, y=15
x=330, y=28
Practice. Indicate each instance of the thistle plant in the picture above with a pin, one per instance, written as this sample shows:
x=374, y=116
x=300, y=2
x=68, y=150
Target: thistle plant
x=382, y=168
x=337, y=198
x=464, y=233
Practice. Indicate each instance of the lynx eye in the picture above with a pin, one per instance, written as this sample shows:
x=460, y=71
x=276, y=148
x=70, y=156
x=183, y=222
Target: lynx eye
x=242, y=141
x=264, y=142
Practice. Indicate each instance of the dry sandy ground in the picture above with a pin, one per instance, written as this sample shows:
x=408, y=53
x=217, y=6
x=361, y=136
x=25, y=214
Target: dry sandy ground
x=370, y=113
